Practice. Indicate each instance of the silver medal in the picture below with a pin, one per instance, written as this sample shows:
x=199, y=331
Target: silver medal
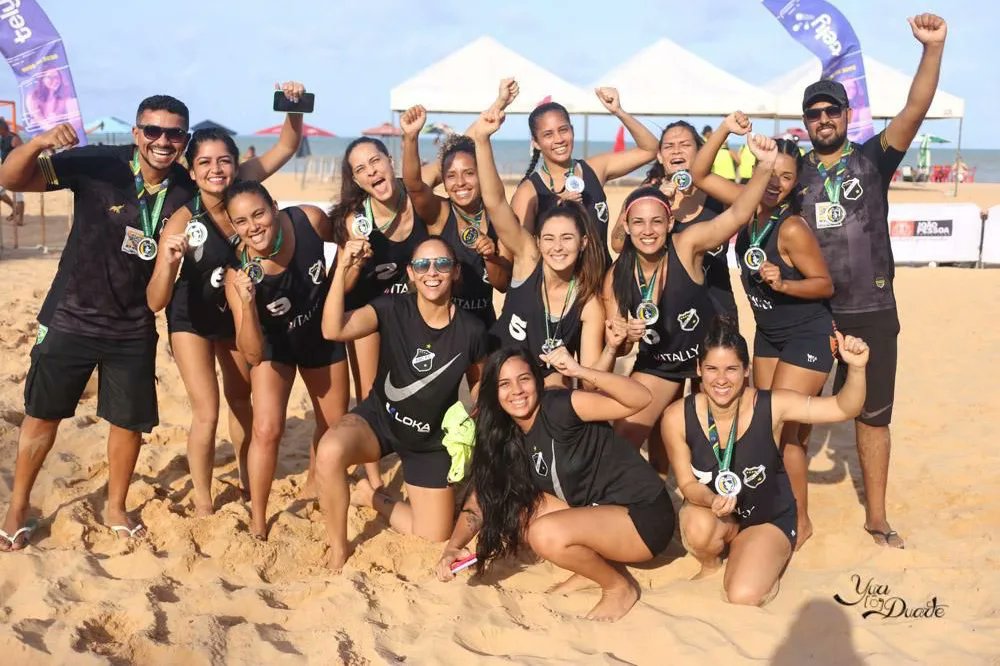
x=196, y=232
x=254, y=271
x=651, y=337
x=682, y=179
x=728, y=483
x=361, y=227
x=470, y=236
x=647, y=313
x=574, y=184
x=836, y=213
x=147, y=249
x=754, y=258
x=550, y=345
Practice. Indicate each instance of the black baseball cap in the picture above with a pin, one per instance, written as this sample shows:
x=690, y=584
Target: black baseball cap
x=825, y=89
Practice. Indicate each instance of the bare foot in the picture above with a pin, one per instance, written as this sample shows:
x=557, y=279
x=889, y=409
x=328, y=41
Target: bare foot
x=201, y=511
x=574, y=583
x=308, y=490
x=884, y=535
x=615, y=603
x=363, y=494
x=708, y=569
x=337, y=558
x=803, y=531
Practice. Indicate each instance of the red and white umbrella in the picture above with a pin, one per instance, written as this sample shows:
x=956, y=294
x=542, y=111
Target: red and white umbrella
x=307, y=130
x=385, y=129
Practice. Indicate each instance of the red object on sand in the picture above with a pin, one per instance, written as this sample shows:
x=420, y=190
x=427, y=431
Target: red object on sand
x=385, y=129
x=307, y=130
x=620, y=140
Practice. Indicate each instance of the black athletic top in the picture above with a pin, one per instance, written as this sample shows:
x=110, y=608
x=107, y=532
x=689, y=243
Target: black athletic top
x=595, y=201
x=199, y=301
x=686, y=310
x=475, y=293
x=715, y=264
x=290, y=303
x=385, y=271
x=522, y=320
x=6, y=145
x=766, y=491
x=100, y=286
x=857, y=250
x=421, y=368
x=585, y=463
x=780, y=317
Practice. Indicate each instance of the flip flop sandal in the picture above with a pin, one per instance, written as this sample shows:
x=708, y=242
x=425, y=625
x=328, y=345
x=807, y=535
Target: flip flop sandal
x=132, y=532
x=24, y=532
x=886, y=536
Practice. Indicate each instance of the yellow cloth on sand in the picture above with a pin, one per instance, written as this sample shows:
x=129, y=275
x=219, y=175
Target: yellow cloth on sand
x=459, y=437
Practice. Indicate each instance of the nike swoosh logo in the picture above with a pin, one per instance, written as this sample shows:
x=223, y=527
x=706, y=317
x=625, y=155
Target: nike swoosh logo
x=871, y=415
x=399, y=394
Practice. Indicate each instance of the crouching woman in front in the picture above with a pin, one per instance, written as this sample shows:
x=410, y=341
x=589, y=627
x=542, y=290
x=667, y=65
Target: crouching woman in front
x=548, y=469
x=723, y=445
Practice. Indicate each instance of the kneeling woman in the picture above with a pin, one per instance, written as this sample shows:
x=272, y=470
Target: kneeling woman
x=723, y=447
x=548, y=469
x=277, y=299
x=426, y=346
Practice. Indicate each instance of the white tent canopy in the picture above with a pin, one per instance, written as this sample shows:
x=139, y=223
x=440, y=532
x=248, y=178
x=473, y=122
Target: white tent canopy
x=665, y=79
x=466, y=81
x=887, y=91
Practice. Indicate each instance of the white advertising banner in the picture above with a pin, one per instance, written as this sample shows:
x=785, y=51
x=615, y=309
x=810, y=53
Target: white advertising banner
x=922, y=233
x=991, y=237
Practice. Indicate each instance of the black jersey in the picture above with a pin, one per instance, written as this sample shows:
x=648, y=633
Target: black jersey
x=475, y=293
x=715, y=263
x=100, y=286
x=780, y=317
x=385, y=271
x=857, y=249
x=766, y=492
x=421, y=368
x=585, y=463
x=522, y=321
x=199, y=302
x=671, y=344
x=595, y=201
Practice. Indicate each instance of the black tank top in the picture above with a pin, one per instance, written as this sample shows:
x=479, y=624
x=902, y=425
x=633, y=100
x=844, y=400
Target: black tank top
x=475, y=293
x=522, y=321
x=595, y=201
x=715, y=264
x=780, y=317
x=766, y=492
x=686, y=310
x=288, y=301
x=199, y=300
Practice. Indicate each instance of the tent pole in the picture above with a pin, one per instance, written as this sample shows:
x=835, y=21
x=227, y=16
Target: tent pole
x=958, y=152
x=777, y=121
x=586, y=135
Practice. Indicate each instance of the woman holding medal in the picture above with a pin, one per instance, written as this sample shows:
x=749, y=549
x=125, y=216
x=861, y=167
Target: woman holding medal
x=559, y=266
x=724, y=446
x=276, y=297
x=569, y=179
x=200, y=325
x=658, y=285
x=787, y=282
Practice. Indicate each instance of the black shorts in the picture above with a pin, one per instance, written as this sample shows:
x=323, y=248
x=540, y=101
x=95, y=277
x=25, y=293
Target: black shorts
x=654, y=521
x=787, y=521
x=187, y=313
x=62, y=363
x=812, y=351
x=307, y=349
x=880, y=330
x=426, y=467
x=649, y=366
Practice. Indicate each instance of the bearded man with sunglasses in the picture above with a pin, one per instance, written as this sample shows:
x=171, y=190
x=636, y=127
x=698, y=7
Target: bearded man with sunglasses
x=95, y=314
x=846, y=202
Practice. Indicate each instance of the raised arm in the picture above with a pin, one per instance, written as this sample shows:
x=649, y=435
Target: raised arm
x=241, y=296
x=847, y=404
x=429, y=206
x=340, y=325
x=930, y=30
x=268, y=164
x=173, y=246
x=614, y=396
x=20, y=171
x=609, y=166
x=710, y=183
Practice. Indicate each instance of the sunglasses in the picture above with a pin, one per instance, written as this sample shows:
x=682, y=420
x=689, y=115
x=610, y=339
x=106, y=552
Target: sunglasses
x=832, y=112
x=441, y=265
x=154, y=132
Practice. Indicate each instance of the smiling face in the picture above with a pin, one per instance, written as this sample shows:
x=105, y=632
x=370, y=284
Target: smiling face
x=553, y=135
x=52, y=80
x=677, y=150
x=826, y=132
x=435, y=283
x=162, y=152
x=213, y=168
x=517, y=391
x=372, y=171
x=255, y=220
x=461, y=180
x=784, y=178
x=648, y=225
x=723, y=375
x=560, y=242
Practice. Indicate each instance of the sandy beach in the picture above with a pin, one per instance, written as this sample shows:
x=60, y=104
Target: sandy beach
x=202, y=591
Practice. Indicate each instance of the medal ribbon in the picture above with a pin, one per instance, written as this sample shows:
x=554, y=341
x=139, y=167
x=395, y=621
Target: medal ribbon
x=646, y=288
x=395, y=216
x=245, y=258
x=569, y=172
x=149, y=222
x=545, y=299
x=757, y=238
x=833, y=187
x=471, y=220
x=713, y=438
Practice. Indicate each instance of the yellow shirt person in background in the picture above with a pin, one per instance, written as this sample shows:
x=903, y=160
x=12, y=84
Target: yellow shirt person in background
x=725, y=161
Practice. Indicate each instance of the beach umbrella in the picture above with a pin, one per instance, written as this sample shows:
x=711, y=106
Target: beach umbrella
x=385, y=129
x=439, y=129
x=307, y=130
x=211, y=124
x=620, y=140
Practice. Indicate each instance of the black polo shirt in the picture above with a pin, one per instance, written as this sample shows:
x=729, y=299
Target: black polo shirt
x=99, y=289
x=857, y=250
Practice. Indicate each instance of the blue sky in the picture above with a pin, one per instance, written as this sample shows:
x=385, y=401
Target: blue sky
x=223, y=58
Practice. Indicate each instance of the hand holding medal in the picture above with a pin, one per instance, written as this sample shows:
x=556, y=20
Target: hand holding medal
x=562, y=361
x=245, y=286
x=723, y=505
x=361, y=226
x=770, y=275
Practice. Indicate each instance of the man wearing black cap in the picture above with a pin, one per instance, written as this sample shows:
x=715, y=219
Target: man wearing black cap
x=846, y=201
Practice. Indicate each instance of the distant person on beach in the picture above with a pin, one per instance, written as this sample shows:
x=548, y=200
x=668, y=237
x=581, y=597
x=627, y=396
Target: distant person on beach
x=565, y=178
x=8, y=142
x=95, y=314
x=251, y=153
x=845, y=201
x=724, y=449
x=549, y=472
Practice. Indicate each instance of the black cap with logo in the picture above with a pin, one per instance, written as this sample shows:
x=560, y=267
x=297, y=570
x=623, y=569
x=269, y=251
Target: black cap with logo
x=825, y=89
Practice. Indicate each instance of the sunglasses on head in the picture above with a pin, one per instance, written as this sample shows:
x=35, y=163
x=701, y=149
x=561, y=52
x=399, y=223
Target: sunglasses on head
x=833, y=112
x=154, y=132
x=441, y=265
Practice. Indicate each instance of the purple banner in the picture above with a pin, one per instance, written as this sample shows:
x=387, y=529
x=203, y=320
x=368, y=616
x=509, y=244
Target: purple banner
x=35, y=52
x=821, y=28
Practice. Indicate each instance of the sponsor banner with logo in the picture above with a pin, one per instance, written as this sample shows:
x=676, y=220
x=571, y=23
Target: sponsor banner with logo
x=991, y=237
x=329, y=249
x=922, y=233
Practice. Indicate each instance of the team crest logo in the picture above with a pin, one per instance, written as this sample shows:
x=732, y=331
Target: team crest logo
x=852, y=189
x=423, y=360
x=880, y=282
x=689, y=320
x=316, y=272
x=753, y=476
x=601, y=208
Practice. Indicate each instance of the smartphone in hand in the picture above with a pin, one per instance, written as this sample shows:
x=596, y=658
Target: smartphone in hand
x=304, y=105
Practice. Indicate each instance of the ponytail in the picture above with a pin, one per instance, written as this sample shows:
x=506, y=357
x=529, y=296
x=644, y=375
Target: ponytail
x=535, y=154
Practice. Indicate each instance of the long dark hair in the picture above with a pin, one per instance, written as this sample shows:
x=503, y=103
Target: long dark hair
x=201, y=136
x=589, y=270
x=533, y=117
x=657, y=172
x=724, y=333
x=624, y=266
x=790, y=148
x=351, y=194
x=501, y=465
